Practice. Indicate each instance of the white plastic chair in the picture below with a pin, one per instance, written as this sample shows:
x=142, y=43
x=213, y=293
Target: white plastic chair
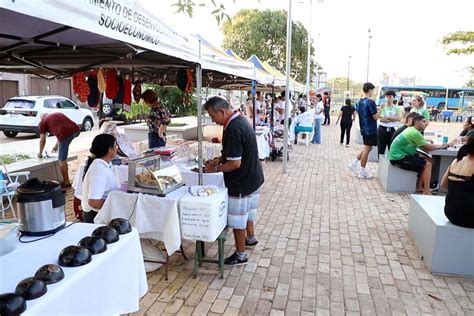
x=308, y=136
x=8, y=184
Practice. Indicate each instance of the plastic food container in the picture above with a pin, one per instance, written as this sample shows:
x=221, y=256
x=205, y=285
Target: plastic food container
x=8, y=237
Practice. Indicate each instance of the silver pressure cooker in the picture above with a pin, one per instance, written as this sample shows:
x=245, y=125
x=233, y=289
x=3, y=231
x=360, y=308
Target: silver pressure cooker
x=40, y=206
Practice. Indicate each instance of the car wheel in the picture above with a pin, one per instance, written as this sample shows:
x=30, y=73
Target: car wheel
x=107, y=110
x=10, y=134
x=87, y=124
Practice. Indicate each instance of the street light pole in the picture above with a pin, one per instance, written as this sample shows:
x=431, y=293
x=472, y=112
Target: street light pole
x=308, y=62
x=368, y=57
x=348, y=72
x=287, y=90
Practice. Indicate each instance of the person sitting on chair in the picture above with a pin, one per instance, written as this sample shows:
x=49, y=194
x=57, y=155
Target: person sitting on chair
x=459, y=180
x=403, y=153
x=304, y=122
x=467, y=129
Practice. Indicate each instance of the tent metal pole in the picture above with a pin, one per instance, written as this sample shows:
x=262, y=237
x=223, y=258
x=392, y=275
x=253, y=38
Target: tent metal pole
x=199, y=116
x=308, y=62
x=272, y=107
x=287, y=89
x=254, y=92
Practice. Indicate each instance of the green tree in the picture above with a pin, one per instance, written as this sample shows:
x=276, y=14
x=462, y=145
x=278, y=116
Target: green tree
x=464, y=45
x=187, y=7
x=173, y=100
x=339, y=87
x=263, y=33
x=465, y=39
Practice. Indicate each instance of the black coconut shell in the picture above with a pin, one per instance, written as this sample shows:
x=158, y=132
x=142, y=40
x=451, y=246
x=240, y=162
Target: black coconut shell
x=12, y=304
x=74, y=256
x=109, y=234
x=95, y=244
x=50, y=273
x=121, y=225
x=31, y=288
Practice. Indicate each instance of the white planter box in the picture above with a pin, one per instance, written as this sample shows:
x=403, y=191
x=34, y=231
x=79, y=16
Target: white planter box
x=203, y=218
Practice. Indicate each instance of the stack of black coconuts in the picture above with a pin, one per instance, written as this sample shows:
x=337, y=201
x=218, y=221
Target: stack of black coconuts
x=12, y=304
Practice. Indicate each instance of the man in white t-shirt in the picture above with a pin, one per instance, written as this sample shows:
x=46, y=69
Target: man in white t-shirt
x=280, y=110
x=316, y=101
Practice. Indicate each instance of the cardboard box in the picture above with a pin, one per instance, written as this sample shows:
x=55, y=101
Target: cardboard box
x=203, y=218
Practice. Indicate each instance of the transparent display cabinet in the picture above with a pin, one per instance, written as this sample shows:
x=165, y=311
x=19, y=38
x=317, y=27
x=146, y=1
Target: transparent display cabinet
x=154, y=175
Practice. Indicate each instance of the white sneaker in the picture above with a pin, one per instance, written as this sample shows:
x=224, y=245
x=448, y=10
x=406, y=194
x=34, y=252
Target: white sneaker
x=354, y=167
x=363, y=174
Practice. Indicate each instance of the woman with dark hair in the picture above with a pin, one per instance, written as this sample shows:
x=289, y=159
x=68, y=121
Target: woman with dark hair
x=304, y=122
x=98, y=179
x=467, y=129
x=346, y=116
x=459, y=180
x=158, y=119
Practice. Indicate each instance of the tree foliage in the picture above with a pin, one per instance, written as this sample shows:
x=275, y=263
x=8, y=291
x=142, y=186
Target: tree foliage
x=465, y=39
x=339, y=87
x=263, y=33
x=172, y=99
x=187, y=7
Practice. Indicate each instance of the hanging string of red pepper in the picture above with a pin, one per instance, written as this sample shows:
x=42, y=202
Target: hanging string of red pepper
x=188, y=91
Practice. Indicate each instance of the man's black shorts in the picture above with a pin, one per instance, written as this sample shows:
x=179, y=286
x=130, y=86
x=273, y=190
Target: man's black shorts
x=412, y=163
x=370, y=140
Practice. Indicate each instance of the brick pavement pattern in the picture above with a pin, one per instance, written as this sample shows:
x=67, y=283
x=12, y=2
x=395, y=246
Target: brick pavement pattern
x=329, y=244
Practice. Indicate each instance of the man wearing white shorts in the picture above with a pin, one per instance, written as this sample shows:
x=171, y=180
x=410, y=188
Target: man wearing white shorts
x=243, y=174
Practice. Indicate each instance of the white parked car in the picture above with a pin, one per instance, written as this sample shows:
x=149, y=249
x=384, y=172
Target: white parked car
x=22, y=114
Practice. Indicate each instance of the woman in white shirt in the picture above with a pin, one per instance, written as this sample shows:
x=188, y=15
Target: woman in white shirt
x=98, y=179
x=304, y=122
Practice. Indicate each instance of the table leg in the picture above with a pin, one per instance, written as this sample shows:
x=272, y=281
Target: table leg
x=197, y=258
x=435, y=171
x=221, y=243
x=167, y=264
x=182, y=252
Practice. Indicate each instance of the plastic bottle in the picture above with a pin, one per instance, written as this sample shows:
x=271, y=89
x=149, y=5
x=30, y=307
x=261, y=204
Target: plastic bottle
x=439, y=137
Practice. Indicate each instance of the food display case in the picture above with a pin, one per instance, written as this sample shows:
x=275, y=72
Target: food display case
x=153, y=174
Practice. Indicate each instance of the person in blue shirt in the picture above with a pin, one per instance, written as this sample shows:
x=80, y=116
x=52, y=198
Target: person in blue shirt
x=368, y=116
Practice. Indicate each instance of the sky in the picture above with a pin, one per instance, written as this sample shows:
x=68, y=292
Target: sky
x=405, y=34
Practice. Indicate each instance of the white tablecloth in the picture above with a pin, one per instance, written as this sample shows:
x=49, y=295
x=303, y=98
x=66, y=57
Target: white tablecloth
x=190, y=178
x=120, y=172
x=154, y=217
x=263, y=141
x=112, y=283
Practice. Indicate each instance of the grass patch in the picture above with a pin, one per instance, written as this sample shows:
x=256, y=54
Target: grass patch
x=177, y=124
x=10, y=158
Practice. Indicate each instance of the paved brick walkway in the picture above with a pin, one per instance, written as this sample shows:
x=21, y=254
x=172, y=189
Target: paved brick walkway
x=329, y=244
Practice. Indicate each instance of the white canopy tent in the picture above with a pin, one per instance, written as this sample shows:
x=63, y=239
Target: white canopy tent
x=55, y=39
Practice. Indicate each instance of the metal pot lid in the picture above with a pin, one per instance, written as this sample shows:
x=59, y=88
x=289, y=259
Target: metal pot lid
x=28, y=190
x=35, y=186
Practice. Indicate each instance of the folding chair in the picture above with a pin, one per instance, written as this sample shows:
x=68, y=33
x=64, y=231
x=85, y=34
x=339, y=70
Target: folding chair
x=8, y=184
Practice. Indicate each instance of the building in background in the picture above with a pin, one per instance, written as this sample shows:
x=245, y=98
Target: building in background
x=20, y=84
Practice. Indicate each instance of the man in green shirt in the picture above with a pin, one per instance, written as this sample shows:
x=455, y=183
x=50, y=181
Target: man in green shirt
x=403, y=153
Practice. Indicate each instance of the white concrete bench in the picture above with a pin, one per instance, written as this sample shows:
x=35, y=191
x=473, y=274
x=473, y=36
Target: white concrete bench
x=43, y=169
x=395, y=179
x=445, y=247
x=374, y=153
